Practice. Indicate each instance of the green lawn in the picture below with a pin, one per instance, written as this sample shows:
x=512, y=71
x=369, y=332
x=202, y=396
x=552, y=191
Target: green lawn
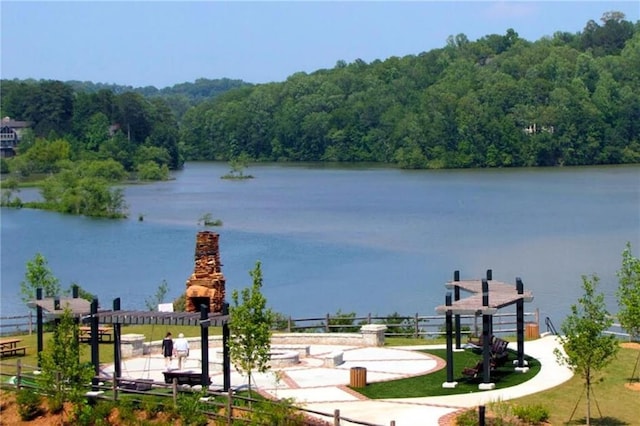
x=618, y=404
x=431, y=384
x=151, y=333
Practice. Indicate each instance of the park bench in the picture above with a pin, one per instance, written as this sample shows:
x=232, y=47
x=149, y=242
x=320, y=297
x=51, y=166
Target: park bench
x=499, y=352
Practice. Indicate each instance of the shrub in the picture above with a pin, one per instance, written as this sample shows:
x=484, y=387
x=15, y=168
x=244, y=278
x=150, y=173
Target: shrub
x=531, y=413
x=190, y=410
x=279, y=412
x=29, y=404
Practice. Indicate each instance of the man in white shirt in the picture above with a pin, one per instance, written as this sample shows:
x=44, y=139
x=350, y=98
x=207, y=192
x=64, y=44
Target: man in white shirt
x=181, y=345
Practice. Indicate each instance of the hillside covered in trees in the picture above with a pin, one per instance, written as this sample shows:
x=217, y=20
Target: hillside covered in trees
x=500, y=101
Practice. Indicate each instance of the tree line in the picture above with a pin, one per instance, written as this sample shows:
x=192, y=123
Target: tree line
x=499, y=101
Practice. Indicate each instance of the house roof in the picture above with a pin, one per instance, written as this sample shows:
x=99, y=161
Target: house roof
x=500, y=295
x=7, y=121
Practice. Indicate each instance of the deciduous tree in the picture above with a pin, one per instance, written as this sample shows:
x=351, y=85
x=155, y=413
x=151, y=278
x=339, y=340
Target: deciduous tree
x=586, y=348
x=250, y=327
x=629, y=293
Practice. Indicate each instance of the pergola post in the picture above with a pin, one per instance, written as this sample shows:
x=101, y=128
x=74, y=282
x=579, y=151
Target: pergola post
x=486, y=335
x=95, y=351
x=449, y=337
x=117, y=359
x=204, y=344
x=226, y=356
x=39, y=324
x=456, y=297
x=520, y=322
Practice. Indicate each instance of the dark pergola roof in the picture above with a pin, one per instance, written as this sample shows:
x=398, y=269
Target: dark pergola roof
x=158, y=318
x=82, y=308
x=500, y=295
x=78, y=307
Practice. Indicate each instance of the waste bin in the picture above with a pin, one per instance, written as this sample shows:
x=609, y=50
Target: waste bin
x=532, y=331
x=358, y=377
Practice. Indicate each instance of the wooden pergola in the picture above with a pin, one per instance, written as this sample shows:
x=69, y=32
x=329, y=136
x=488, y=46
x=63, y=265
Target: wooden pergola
x=487, y=297
x=87, y=312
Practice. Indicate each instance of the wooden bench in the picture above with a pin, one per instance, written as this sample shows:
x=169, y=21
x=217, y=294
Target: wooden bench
x=184, y=377
x=499, y=352
x=9, y=347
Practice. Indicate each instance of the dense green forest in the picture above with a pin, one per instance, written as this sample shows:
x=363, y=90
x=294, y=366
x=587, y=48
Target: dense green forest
x=499, y=101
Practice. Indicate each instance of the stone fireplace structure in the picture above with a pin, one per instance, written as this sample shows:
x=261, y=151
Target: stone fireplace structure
x=206, y=285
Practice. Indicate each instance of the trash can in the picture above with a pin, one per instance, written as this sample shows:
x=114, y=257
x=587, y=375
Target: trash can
x=358, y=377
x=532, y=331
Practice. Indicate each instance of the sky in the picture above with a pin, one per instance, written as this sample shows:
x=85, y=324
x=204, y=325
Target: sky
x=162, y=43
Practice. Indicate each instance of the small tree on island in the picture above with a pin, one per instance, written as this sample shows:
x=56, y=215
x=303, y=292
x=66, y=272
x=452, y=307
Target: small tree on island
x=250, y=327
x=587, y=349
x=38, y=275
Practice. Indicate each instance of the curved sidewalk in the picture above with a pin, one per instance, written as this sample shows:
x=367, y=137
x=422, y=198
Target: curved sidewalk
x=316, y=386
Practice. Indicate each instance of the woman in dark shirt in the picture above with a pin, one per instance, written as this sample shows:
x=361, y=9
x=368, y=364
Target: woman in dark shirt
x=167, y=350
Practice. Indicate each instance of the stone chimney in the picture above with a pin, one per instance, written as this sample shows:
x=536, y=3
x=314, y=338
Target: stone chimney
x=206, y=285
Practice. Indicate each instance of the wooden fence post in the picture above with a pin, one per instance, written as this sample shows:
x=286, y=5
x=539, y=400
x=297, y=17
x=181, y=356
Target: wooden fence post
x=114, y=388
x=229, y=407
x=417, y=329
x=174, y=388
x=336, y=417
x=326, y=324
x=30, y=323
x=289, y=325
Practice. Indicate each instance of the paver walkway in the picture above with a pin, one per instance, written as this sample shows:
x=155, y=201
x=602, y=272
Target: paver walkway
x=318, y=387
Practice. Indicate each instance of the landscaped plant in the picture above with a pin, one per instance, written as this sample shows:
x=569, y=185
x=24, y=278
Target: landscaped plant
x=250, y=327
x=532, y=414
x=343, y=322
x=64, y=377
x=587, y=349
x=280, y=412
x=190, y=409
x=29, y=404
x=629, y=293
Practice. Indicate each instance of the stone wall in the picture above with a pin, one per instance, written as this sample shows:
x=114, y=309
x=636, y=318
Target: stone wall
x=370, y=335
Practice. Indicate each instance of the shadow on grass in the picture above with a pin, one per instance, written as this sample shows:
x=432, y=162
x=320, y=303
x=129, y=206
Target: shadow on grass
x=599, y=421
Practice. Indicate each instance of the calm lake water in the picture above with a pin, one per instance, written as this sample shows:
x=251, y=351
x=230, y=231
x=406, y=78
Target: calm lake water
x=365, y=240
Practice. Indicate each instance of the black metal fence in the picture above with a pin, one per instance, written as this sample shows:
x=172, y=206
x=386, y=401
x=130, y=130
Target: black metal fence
x=414, y=326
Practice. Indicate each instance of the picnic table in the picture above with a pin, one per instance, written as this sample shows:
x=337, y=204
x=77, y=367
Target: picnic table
x=10, y=347
x=104, y=334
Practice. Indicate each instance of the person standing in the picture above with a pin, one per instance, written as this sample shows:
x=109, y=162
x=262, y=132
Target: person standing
x=182, y=349
x=167, y=350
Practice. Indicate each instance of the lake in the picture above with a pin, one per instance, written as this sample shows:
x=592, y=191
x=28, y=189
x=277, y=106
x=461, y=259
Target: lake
x=356, y=239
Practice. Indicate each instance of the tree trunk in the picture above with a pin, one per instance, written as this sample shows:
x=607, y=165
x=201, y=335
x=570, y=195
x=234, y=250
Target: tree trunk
x=588, y=400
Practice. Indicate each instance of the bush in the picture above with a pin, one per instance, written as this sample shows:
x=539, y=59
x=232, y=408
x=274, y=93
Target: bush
x=280, y=413
x=190, y=410
x=29, y=404
x=533, y=414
